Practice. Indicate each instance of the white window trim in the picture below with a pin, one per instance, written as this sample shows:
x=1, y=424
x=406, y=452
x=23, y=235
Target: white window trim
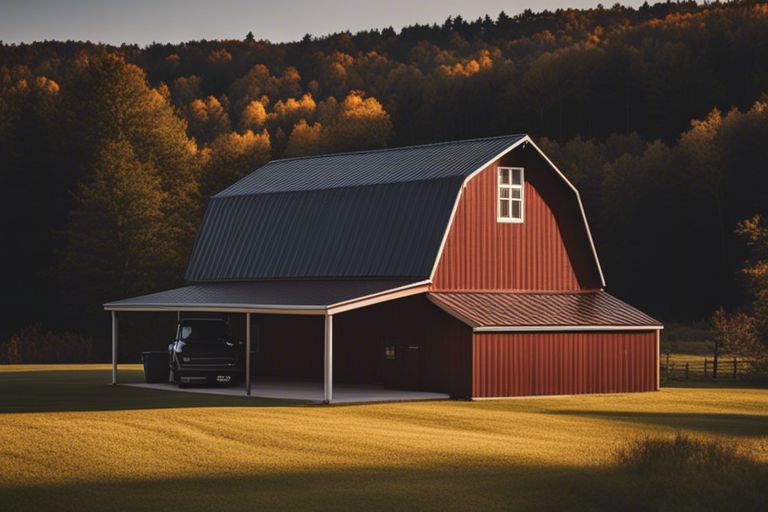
x=510, y=220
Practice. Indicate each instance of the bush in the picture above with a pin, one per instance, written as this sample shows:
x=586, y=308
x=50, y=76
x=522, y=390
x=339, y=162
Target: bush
x=36, y=345
x=649, y=455
x=686, y=473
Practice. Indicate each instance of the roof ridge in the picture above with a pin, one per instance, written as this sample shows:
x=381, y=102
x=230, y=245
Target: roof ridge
x=396, y=148
x=342, y=187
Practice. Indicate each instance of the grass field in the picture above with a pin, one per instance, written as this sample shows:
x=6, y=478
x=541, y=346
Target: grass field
x=69, y=441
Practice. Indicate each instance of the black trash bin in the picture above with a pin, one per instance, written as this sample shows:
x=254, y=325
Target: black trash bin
x=156, y=366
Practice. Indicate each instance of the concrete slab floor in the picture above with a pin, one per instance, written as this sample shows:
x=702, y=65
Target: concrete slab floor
x=309, y=391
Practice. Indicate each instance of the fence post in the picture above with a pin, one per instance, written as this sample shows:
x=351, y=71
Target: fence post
x=705, y=367
x=686, y=371
x=667, y=368
x=734, y=367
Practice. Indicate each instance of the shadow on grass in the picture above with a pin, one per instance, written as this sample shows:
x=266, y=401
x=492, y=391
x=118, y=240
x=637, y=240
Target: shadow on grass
x=746, y=425
x=475, y=485
x=69, y=390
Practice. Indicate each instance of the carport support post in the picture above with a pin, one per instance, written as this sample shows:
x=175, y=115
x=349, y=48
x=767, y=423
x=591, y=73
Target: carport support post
x=328, y=371
x=114, y=348
x=247, y=354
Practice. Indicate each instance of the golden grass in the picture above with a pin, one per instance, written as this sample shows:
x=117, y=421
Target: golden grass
x=69, y=440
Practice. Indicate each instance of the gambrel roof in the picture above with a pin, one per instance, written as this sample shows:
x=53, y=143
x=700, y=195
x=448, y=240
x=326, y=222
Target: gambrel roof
x=380, y=214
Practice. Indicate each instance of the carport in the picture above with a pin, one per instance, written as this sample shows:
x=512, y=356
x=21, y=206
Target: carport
x=325, y=298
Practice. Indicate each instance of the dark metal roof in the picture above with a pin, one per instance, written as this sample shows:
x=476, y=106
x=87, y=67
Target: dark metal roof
x=392, y=230
x=395, y=165
x=264, y=294
x=526, y=309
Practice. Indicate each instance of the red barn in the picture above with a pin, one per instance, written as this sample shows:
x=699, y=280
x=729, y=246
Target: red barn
x=466, y=268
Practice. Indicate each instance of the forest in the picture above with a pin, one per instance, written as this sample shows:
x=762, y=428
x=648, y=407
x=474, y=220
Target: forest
x=659, y=115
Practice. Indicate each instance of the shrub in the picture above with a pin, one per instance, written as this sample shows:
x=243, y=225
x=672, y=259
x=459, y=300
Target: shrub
x=685, y=473
x=36, y=345
x=647, y=455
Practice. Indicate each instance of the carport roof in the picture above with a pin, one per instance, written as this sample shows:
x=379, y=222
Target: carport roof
x=543, y=311
x=277, y=297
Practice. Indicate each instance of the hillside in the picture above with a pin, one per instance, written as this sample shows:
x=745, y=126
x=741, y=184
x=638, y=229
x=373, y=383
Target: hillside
x=657, y=114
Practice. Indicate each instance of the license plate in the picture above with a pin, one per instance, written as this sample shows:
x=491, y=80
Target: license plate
x=223, y=378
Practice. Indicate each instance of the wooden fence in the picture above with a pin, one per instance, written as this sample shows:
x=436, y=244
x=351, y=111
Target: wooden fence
x=727, y=368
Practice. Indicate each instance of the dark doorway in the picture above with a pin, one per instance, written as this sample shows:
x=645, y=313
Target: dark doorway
x=402, y=365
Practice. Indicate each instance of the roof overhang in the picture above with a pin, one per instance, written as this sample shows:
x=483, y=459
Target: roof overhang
x=551, y=311
x=566, y=328
x=273, y=297
x=522, y=142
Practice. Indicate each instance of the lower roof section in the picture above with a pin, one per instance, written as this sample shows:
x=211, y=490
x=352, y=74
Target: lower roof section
x=304, y=297
x=542, y=311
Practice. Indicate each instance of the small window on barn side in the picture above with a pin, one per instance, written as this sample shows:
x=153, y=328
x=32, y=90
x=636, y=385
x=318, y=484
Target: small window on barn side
x=510, y=193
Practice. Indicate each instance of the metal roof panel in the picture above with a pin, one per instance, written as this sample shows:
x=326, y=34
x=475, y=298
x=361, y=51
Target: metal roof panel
x=267, y=294
x=393, y=165
x=386, y=230
x=541, y=309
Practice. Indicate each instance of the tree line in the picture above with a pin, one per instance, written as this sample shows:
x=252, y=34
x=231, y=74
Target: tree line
x=657, y=114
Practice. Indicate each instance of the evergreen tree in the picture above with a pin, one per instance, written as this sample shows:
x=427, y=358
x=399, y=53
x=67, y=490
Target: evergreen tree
x=118, y=241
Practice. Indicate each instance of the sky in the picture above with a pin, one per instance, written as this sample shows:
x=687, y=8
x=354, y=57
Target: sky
x=146, y=21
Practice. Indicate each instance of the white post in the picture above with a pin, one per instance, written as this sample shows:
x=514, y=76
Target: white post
x=328, y=371
x=247, y=354
x=114, y=348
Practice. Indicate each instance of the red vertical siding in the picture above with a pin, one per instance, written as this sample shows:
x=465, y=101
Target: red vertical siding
x=549, y=251
x=445, y=344
x=563, y=363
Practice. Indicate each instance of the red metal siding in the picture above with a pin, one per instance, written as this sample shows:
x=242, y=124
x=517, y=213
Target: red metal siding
x=445, y=357
x=549, y=251
x=563, y=363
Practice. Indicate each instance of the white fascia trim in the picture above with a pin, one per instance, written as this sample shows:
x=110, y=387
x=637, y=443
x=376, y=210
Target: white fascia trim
x=566, y=328
x=224, y=308
x=458, y=197
x=278, y=309
x=525, y=139
x=383, y=296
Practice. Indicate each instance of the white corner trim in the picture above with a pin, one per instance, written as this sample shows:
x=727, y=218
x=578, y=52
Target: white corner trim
x=566, y=328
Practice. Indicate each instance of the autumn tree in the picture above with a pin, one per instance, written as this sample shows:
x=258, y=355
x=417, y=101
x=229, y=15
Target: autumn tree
x=231, y=157
x=207, y=119
x=355, y=123
x=755, y=232
x=305, y=139
x=254, y=116
x=111, y=101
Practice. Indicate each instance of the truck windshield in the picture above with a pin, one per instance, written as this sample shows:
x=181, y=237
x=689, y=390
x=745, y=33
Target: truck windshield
x=204, y=332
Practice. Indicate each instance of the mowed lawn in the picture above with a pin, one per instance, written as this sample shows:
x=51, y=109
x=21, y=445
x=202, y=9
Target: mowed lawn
x=69, y=441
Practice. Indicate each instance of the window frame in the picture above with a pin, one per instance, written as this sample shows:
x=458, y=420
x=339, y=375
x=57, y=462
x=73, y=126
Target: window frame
x=509, y=186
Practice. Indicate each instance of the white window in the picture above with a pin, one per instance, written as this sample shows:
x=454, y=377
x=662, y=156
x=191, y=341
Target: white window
x=510, y=204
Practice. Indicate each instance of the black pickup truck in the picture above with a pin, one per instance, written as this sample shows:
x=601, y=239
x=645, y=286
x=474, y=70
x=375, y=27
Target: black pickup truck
x=205, y=353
